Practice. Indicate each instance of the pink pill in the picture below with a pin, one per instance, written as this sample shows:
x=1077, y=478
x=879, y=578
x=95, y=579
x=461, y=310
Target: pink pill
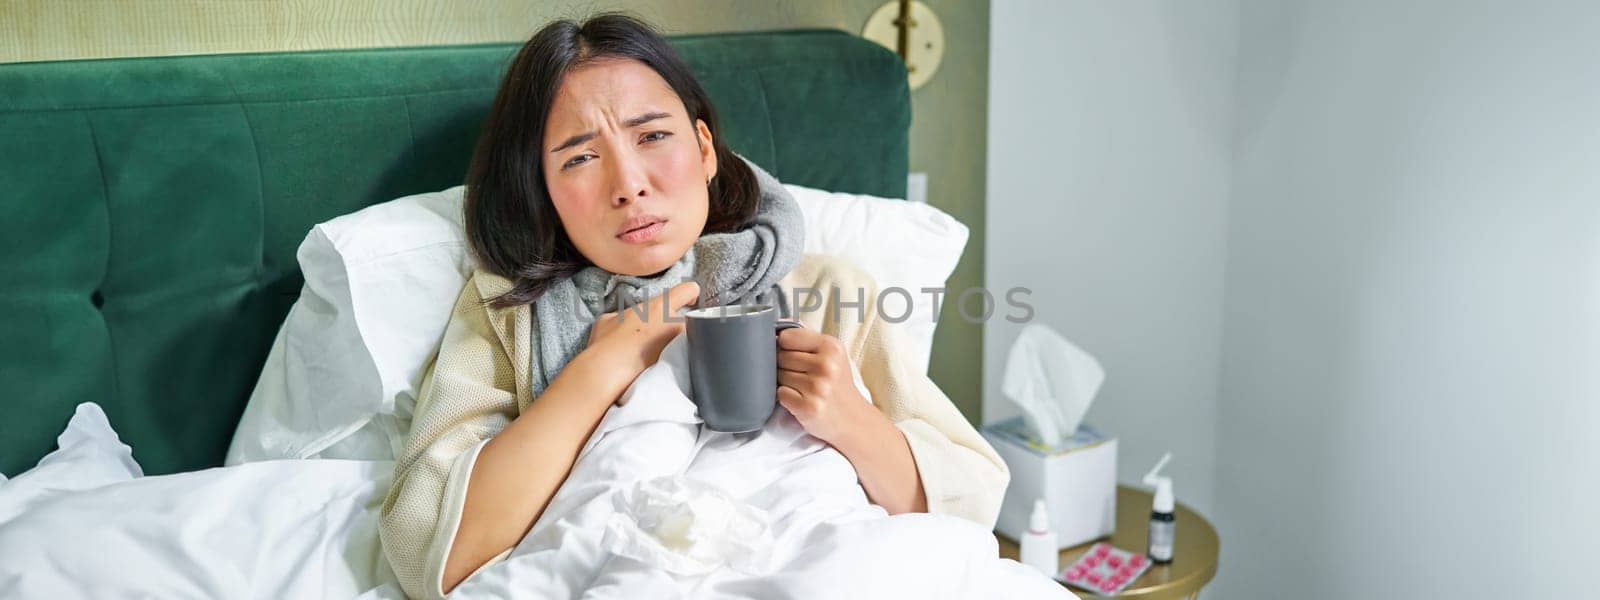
x=1136, y=560
x=1101, y=550
x=1093, y=561
x=1126, y=571
x=1114, y=561
x=1074, y=575
x=1095, y=578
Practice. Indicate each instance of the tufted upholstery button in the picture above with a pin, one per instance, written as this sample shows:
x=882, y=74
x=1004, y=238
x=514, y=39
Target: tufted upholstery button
x=98, y=299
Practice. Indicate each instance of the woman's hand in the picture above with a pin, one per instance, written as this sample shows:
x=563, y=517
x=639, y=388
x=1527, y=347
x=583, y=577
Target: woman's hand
x=631, y=342
x=816, y=384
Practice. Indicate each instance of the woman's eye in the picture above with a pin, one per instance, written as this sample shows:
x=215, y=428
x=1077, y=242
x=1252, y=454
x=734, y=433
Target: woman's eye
x=654, y=136
x=575, y=161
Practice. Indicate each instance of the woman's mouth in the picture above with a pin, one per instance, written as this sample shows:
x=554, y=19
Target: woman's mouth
x=641, y=229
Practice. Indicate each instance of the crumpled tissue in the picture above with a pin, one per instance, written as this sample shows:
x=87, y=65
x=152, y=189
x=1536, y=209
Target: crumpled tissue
x=688, y=527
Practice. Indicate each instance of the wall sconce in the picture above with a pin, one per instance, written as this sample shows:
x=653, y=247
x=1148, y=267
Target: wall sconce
x=913, y=31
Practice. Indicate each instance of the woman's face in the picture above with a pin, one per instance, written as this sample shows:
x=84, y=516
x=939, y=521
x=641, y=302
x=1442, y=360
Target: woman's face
x=626, y=168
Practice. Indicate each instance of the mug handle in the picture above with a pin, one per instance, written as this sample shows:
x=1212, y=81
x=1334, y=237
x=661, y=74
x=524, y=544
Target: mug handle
x=778, y=326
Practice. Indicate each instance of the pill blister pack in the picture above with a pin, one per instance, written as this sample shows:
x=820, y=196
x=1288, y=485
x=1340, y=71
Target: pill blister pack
x=1104, y=570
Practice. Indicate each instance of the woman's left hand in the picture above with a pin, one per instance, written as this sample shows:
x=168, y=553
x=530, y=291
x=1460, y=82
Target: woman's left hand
x=816, y=384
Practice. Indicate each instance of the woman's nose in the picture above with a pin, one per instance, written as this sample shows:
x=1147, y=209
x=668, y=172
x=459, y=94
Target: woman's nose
x=628, y=181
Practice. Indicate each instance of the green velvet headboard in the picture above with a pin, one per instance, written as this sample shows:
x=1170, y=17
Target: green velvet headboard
x=152, y=206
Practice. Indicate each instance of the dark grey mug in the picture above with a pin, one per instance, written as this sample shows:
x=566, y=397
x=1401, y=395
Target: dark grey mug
x=733, y=364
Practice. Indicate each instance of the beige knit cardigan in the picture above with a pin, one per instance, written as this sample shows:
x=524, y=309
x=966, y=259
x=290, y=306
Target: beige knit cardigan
x=479, y=382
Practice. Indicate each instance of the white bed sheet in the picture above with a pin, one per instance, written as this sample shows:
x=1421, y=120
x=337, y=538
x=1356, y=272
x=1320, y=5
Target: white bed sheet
x=823, y=539
x=86, y=524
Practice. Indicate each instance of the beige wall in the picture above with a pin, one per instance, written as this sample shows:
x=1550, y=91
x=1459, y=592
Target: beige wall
x=63, y=29
x=948, y=125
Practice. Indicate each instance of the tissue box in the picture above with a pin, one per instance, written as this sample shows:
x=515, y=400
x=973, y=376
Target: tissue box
x=1077, y=480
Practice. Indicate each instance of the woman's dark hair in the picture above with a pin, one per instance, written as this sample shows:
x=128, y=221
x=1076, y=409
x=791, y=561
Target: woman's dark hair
x=511, y=224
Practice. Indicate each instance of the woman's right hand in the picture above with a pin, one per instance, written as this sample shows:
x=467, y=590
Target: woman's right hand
x=631, y=342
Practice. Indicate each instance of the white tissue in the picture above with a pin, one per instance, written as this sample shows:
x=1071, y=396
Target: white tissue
x=688, y=527
x=1052, y=380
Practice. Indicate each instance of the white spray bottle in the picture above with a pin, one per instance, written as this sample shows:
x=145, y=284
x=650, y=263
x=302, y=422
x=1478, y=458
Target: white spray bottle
x=1163, y=523
x=1038, y=544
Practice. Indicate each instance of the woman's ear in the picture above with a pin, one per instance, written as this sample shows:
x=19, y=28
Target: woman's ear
x=708, y=151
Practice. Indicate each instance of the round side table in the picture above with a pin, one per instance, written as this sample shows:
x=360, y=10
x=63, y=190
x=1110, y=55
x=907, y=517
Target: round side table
x=1194, y=559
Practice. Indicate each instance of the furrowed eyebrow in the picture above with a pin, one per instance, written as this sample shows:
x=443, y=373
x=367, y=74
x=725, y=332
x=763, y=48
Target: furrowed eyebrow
x=630, y=123
x=645, y=118
x=573, y=141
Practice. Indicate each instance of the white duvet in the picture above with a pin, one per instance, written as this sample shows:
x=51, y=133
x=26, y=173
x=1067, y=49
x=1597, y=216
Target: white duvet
x=655, y=507
x=86, y=524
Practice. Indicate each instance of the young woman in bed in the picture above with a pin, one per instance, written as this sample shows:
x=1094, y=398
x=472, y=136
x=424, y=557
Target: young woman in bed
x=600, y=180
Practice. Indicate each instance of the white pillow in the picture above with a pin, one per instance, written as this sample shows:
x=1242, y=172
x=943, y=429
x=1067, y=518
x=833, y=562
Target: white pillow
x=905, y=245
x=343, y=375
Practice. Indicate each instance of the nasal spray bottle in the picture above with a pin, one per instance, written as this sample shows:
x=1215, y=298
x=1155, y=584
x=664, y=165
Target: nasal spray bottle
x=1038, y=544
x=1163, y=524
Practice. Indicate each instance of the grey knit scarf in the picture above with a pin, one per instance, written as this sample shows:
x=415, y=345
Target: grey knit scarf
x=732, y=267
